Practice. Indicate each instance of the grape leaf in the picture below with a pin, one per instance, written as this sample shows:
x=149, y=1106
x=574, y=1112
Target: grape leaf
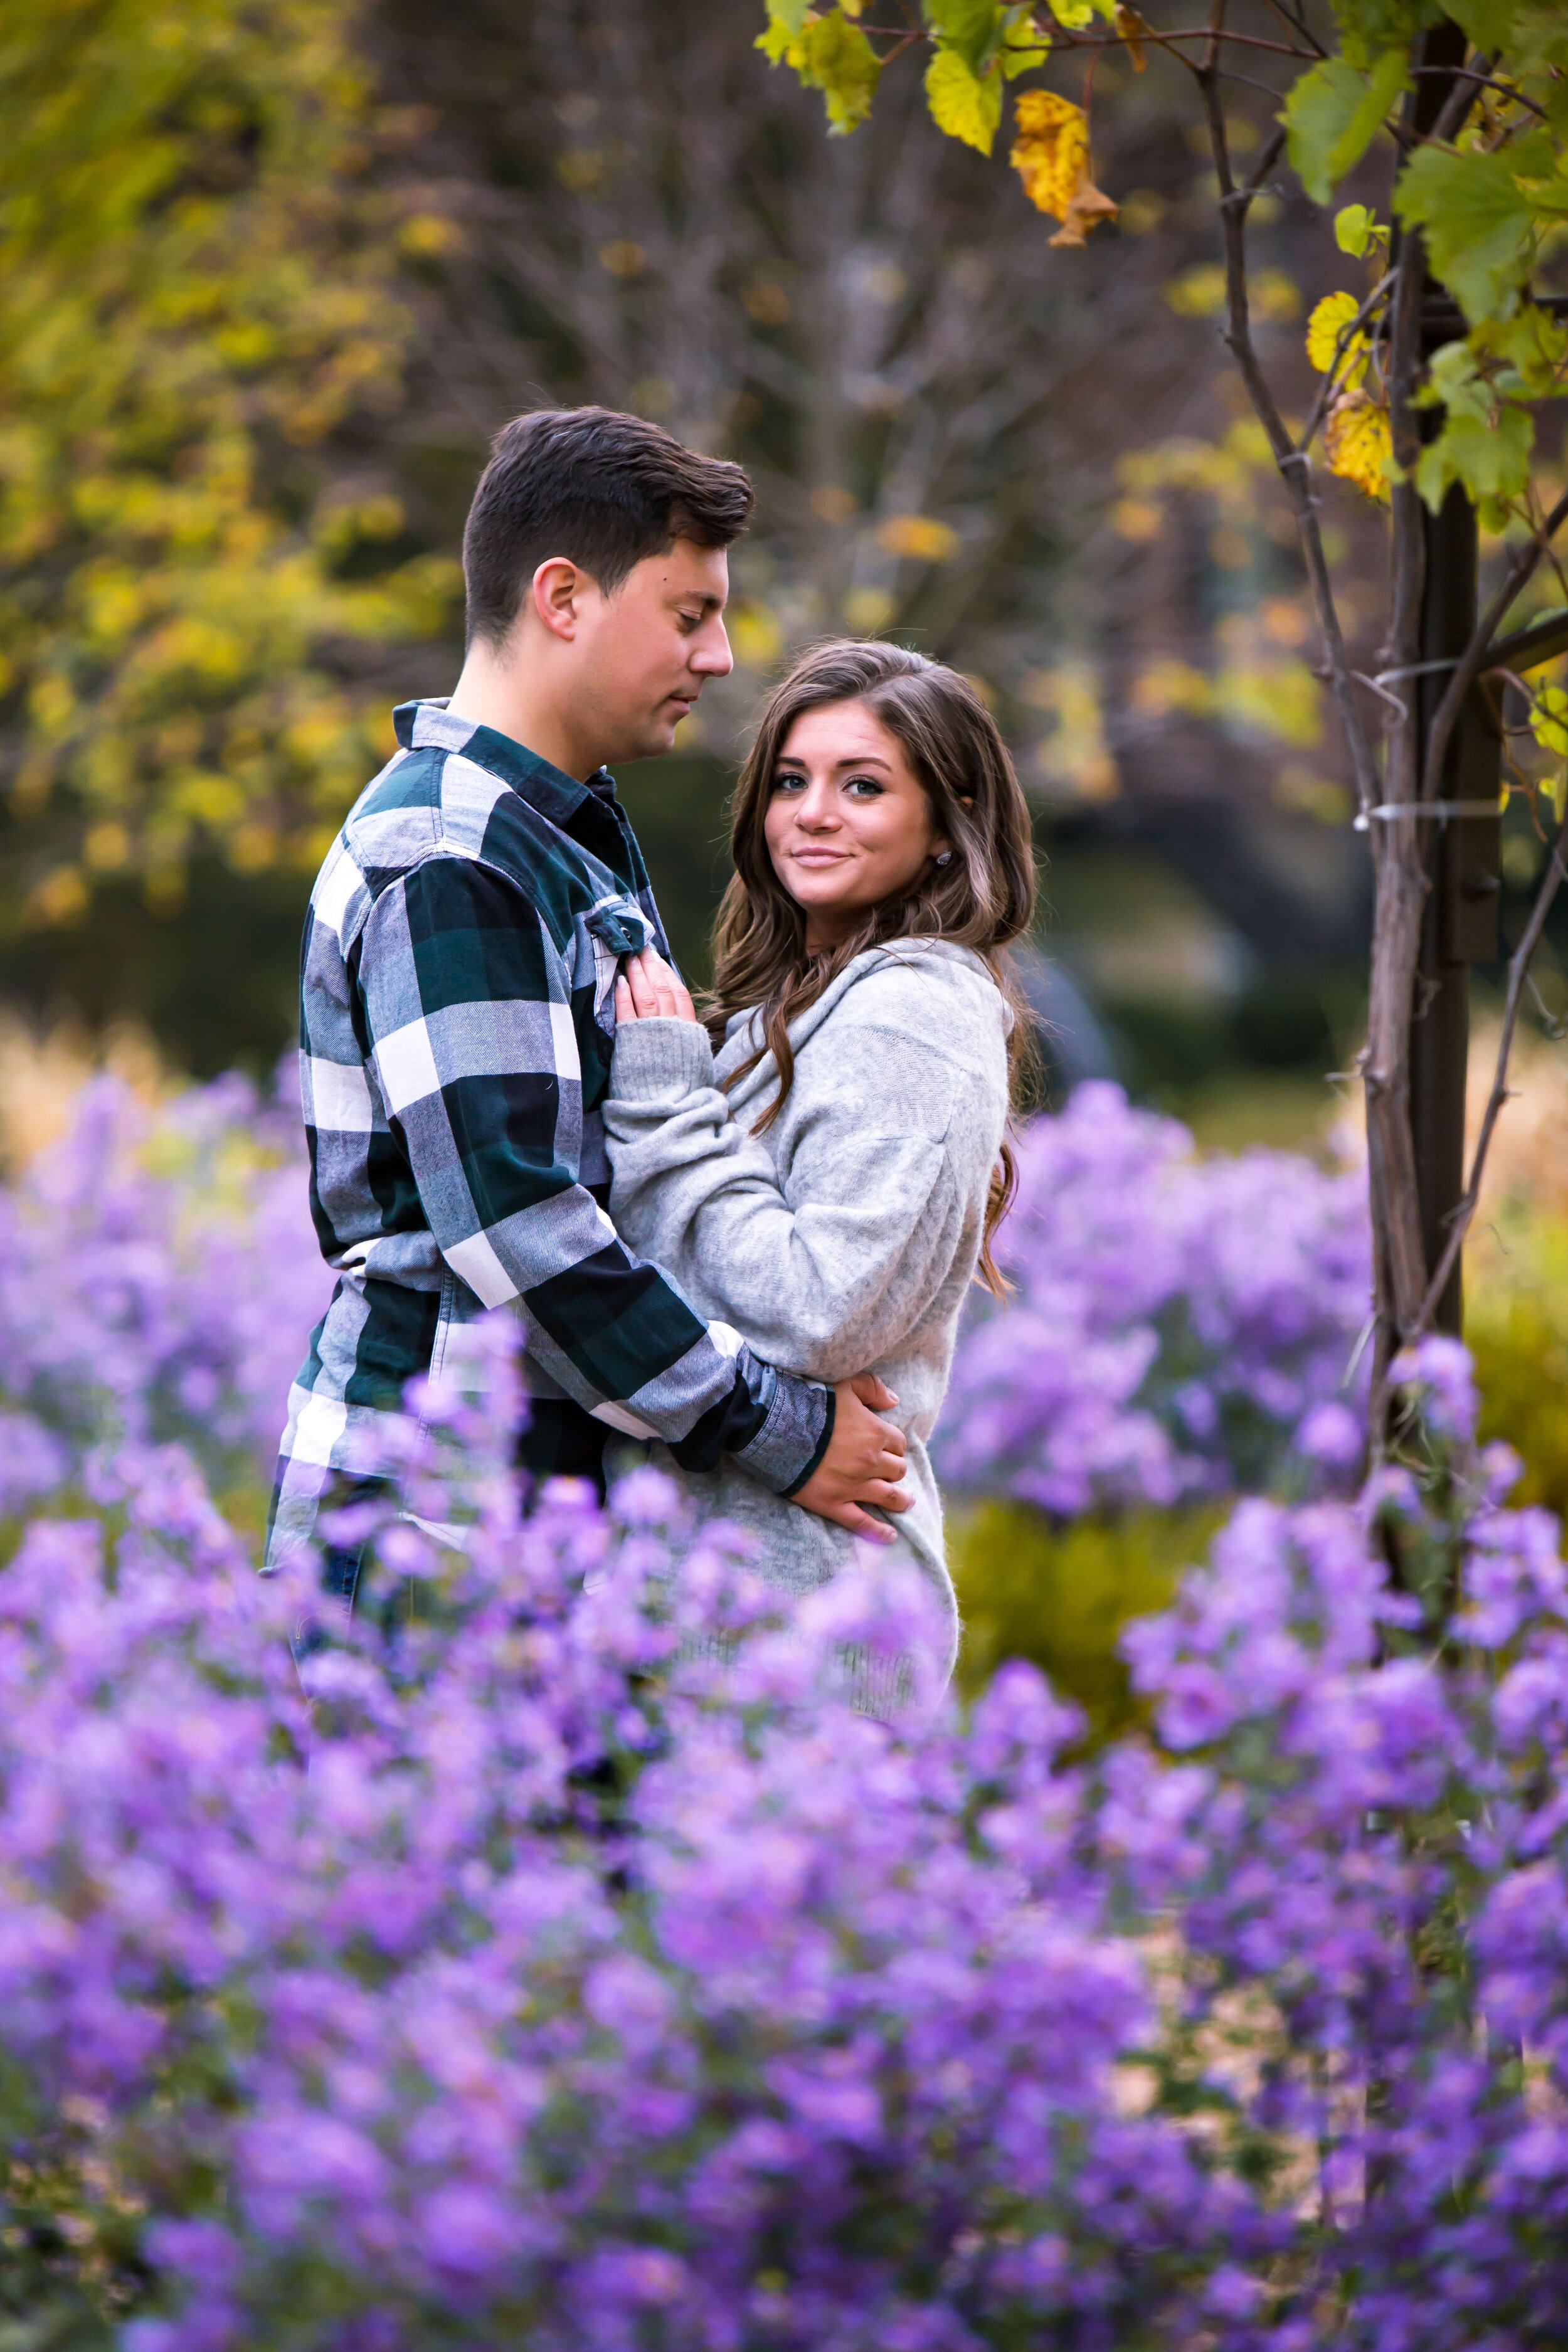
x=1489, y=454
x=1050, y=152
x=963, y=106
x=833, y=56
x=1333, y=114
x=1329, y=320
x=971, y=29
x=1477, y=220
x=1357, y=442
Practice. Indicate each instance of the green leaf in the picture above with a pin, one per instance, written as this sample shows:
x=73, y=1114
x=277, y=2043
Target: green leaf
x=1489, y=456
x=971, y=29
x=1454, y=382
x=1333, y=114
x=1549, y=720
x=1490, y=24
x=786, y=19
x=835, y=56
x=1476, y=221
x=961, y=105
x=1356, y=228
x=1022, y=49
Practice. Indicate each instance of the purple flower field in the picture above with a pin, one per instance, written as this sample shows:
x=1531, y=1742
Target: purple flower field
x=549, y=1971
x=1178, y=1327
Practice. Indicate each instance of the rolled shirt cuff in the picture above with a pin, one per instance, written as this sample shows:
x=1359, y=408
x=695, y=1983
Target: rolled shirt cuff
x=794, y=1435
x=660, y=1059
x=776, y=1426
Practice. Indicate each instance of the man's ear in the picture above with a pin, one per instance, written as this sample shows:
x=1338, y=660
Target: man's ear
x=556, y=591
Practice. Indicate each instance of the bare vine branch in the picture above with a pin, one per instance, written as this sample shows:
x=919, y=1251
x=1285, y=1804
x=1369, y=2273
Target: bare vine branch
x=1471, y=661
x=1518, y=966
x=1294, y=466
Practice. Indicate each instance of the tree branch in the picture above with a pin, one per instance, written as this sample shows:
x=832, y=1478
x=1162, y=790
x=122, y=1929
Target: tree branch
x=1292, y=463
x=1521, y=564
x=1517, y=975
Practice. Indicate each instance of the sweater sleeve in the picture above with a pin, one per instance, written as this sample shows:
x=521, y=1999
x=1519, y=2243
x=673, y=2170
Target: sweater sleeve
x=825, y=1277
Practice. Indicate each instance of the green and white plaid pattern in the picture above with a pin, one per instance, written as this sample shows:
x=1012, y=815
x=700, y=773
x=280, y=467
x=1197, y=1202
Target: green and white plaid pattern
x=457, y=1024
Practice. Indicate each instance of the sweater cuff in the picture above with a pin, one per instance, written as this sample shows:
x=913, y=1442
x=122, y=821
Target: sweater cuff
x=659, y=1058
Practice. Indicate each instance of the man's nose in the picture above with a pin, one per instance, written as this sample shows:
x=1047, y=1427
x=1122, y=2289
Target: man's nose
x=710, y=657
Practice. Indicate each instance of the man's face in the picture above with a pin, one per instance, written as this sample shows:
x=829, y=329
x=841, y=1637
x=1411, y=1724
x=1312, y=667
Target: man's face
x=647, y=652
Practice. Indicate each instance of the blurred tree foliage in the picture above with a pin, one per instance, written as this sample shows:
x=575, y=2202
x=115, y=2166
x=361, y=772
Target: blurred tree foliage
x=199, y=309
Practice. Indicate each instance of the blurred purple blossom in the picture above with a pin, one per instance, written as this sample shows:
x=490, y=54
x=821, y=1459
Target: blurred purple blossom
x=1179, y=1327
x=159, y=1278
x=573, y=1961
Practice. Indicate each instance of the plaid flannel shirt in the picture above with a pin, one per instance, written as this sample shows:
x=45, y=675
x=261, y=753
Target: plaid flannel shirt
x=457, y=1022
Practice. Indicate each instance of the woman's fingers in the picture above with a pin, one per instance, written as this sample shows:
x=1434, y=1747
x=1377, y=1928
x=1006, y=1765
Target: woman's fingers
x=670, y=999
x=644, y=995
x=887, y=1495
x=860, y=1523
x=625, y=1008
x=872, y=1390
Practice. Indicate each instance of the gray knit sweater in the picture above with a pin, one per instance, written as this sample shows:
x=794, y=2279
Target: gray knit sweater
x=845, y=1238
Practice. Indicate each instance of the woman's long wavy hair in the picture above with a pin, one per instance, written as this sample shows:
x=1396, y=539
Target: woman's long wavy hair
x=984, y=900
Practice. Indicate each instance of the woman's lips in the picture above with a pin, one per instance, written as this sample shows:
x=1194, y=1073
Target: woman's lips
x=819, y=857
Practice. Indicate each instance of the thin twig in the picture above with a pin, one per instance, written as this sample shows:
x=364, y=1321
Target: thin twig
x=1293, y=465
x=1472, y=660
x=1518, y=973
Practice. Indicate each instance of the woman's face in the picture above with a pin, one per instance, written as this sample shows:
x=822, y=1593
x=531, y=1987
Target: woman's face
x=848, y=822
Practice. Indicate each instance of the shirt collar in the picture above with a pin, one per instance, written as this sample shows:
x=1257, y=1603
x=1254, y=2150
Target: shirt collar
x=432, y=724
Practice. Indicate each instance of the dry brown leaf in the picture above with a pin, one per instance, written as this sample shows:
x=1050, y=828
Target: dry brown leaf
x=1134, y=32
x=1086, y=205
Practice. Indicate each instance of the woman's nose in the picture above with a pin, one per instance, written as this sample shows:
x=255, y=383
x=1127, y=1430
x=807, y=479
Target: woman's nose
x=816, y=812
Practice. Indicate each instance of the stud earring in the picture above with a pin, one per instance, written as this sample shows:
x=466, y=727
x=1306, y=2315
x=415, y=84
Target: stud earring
x=945, y=858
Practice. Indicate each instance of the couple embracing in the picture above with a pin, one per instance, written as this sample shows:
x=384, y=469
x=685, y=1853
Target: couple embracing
x=746, y=1235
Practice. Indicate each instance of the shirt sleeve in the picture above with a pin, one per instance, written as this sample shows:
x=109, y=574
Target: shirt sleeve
x=470, y=1041
x=828, y=1275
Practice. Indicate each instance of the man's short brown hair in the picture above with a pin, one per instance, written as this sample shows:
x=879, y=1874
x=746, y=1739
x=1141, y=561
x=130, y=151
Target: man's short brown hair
x=603, y=489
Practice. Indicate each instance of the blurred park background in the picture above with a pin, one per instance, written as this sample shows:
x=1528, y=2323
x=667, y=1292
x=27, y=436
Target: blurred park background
x=273, y=273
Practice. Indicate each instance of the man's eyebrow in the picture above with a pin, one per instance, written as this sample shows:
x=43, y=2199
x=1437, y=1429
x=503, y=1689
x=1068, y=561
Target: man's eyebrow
x=705, y=597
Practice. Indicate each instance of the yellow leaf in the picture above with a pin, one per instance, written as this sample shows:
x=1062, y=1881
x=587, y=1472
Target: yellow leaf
x=1134, y=32
x=755, y=635
x=1050, y=151
x=1050, y=155
x=962, y=104
x=921, y=537
x=1356, y=438
x=1331, y=319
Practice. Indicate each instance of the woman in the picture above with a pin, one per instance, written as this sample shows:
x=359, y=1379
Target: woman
x=823, y=1164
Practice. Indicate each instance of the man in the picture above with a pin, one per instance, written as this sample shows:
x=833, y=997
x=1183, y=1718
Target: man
x=457, y=1004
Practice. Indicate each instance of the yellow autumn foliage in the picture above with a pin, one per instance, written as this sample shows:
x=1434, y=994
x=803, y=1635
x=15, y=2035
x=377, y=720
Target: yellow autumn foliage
x=1357, y=441
x=1050, y=156
x=198, y=286
x=1332, y=318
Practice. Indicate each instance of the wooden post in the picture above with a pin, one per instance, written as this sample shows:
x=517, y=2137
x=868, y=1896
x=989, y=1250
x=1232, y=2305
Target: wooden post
x=1461, y=853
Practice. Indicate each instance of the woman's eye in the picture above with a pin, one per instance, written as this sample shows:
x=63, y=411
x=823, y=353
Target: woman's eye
x=864, y=787
x=789, y=783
